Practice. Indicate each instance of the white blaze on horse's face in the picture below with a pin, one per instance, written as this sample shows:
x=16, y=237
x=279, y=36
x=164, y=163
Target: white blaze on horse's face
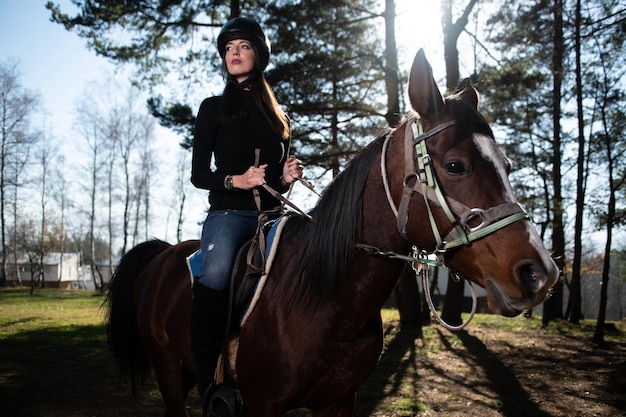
x=535, y=272
x=490, y=151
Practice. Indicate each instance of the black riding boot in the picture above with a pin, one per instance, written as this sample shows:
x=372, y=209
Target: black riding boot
x=208, y=328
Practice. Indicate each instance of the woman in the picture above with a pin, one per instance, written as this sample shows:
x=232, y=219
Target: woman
x=230, y=128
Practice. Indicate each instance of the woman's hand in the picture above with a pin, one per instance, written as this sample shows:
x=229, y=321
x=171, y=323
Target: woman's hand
x=292, y=169
x=253, y=177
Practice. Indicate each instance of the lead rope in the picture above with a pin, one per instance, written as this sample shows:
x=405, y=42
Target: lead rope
x=422, y=268
x=420, y=264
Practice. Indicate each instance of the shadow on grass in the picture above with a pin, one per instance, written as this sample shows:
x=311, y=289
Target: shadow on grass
x=497, y=388
x=513, y=399
x=65, y=371
x=395, y=368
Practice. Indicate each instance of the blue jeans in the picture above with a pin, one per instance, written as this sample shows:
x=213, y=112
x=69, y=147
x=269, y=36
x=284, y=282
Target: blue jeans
x=224, y=232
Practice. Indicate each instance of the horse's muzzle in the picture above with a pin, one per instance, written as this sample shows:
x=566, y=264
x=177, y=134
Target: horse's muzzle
x=534, y=280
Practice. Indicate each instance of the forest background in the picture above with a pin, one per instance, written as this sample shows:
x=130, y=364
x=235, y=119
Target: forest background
x=551, y=75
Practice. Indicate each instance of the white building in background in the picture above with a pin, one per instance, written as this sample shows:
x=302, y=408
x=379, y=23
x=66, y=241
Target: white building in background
x=60, y=270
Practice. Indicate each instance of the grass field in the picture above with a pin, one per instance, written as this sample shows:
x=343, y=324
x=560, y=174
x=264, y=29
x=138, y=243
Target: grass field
x=54, y=362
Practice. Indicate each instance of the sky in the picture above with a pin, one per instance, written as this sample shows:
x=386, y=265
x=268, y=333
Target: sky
x=57, y=65
x=54, y=62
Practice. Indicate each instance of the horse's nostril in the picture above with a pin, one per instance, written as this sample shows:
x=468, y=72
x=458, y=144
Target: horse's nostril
x=532, y=278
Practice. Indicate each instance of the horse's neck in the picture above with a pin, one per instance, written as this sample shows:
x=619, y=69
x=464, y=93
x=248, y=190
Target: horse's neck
x=371, y=279
x=369, y=284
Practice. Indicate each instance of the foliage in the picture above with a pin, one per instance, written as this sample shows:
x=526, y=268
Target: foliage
x=518, y=100
x=158, y=37
x=619, y=257
x=517, y=91
x=18, y=105
x=178, y=117
x=82, y=245
x=326, y=69
x=330, y=87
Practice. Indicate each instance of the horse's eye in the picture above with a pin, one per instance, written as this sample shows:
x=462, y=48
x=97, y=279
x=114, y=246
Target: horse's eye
x=455, y=168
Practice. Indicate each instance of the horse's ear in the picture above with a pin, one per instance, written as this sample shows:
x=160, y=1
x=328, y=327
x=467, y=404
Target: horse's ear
x=423, y=91
x=466, y=91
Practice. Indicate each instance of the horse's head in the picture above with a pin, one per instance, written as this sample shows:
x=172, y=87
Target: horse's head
x=457, y=178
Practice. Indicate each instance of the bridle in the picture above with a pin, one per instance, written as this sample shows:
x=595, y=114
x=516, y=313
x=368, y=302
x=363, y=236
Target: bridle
x=425, y=183
x=468, y=224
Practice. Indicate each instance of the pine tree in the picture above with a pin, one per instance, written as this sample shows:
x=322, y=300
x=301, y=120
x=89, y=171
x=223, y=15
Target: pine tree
x=524, y=97
x=328, y=72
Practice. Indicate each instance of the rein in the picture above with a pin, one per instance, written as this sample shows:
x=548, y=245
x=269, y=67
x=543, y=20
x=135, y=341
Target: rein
x=279, y=196
x=460, y=216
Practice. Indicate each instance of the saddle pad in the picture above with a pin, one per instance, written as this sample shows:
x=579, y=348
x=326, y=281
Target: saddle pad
x=194, y=261
x=194, y=264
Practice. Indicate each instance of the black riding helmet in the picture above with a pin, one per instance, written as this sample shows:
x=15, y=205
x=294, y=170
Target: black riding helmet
x=244, y=28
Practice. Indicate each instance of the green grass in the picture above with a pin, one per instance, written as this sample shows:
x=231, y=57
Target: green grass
x=50, y=320
x=56, y=361
x=585, y=328
x=47, y=309
x=21, y=311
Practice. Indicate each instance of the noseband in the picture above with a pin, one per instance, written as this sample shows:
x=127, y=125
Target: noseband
x=425, y=183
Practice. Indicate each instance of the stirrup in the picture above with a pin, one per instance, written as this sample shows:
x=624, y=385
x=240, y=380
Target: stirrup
x=221, y=401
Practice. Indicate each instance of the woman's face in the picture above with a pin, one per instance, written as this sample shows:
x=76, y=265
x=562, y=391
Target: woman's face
x=239, y=58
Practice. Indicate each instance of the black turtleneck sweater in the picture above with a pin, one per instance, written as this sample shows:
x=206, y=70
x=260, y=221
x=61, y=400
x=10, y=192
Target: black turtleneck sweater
x=232, y=145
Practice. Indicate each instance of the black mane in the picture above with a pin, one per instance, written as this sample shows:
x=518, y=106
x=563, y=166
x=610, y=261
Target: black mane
x=328, y=242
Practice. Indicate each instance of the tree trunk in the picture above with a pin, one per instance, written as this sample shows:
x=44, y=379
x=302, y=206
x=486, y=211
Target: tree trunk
x=113, y=147
x=553, y=306
x=598, y=335
x=235, y=8
x=408, y=300
x=392, y=79
x=451, y=33
x=453, y=301
x=574, y=307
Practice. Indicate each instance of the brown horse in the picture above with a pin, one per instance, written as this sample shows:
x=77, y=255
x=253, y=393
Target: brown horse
x=315, y=334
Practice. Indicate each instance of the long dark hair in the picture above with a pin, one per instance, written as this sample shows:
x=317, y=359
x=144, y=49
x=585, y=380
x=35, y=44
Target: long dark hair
x=263, y=96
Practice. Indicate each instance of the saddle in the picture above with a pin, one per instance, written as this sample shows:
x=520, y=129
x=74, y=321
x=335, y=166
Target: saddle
x=250, y=266
x=246, y=276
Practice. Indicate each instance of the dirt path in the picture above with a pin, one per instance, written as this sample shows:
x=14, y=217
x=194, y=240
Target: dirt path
x=487, y=373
